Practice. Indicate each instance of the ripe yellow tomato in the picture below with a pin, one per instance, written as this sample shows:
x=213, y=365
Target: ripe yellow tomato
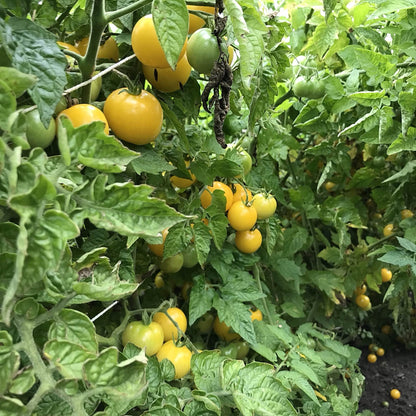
x=386, y=329
x=108, y=50
x=223, y=331
x=240, y=193
x=388, y=230
x=380, y=352
x=146, y=45
x=133, y=118
x=169, y=329
x=363, y=302
x=183, y=182
x=386, y=275
x=248, y=241
x=81, y=114
x=167, y=79
x=265, y=205
x=256, y=315
x=395, y=394
x=242, y=217
x=157, y=249
x=180, y=357
x=196, y=22
x=329, y=186
x=68, y=46
x=371, y=358
x=360, y=290
x=206, y=197
x=406, y=213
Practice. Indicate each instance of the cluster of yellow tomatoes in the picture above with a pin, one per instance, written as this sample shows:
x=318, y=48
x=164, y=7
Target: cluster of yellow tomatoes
x=361, y=299
x=243, y=210
x=161, y=337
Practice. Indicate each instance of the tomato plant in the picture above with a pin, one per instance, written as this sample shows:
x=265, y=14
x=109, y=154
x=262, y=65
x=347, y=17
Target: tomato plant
x=36, y=133
x=180, y=357
x=81, y=114
x=169, y=329
x=202, y=50
x=150, y=337
x=134, y=118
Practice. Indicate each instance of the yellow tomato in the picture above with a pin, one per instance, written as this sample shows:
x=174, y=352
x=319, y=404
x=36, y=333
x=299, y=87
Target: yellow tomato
x=196, y=22
x=81, y=114
x=206, y=197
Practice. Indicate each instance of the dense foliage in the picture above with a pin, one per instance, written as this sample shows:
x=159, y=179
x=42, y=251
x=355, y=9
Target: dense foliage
x=257, y=217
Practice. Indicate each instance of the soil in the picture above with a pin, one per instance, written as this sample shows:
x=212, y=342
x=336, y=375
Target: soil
x=395, y=370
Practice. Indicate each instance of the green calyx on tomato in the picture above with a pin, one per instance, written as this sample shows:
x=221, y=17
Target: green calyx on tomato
x=150, y=337
x=309, y=88
x=36, y=133
x=202, y=50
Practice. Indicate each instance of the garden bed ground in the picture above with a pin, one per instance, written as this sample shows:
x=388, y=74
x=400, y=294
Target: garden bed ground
x=397, y=369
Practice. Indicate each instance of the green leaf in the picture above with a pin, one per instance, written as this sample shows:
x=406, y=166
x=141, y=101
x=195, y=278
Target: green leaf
x=297, y=380
x=11, y=407
x=23, y=382
x=376, y=65
x=125, y=208
x=7, y=105
x=408, y=168
x=329, y=6
x=51, y=404
x=237, y=316
x=407, y=244
x=171, y=21
x=68, y=357
x=368, y=98
x=35, y=51
x=386, y=6
x=17, y=81
x=257, y=391
x=150, y=162
x=9, y=361
x=323, y=37
x=211, y=401
x=74, y=326
x=89, y=145
x=202, y=239
x=218, y=225
x=200, y=299
x=251, y=44
x=407, y=102
x=177, y=123
x=206, y=368
x=103, y=283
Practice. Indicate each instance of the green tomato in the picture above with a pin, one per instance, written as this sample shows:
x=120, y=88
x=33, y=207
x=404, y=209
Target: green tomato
x=172, y=264
x=202, y=50
x=237, y=350
x=232, y=124
x=36, y=133
x=204, y=323
x=246, y=161
x=150, y=337
x=312, y=88
x=190, y=258
x=4, y=58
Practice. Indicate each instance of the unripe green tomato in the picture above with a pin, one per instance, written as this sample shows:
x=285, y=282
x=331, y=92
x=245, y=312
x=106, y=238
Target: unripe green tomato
x=202, y=50
x=312, y=88
x=150, y=337
x=190, y=258
x=172, y=264
x=36, y=133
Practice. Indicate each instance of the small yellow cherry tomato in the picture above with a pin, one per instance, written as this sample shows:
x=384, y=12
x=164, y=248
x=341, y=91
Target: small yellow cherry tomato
x=248, y=241
x=223, y=331
x=180, y=357
x=256, y=315
x=371, y=358
x=81, y=114
x=206, y=197
x=240, y=193
x=242, y=217
x=388, y=230
x=395, y=394
x=380, y=352
x=196, y=22
x=157, y=249
x=386, y=275
x=134, y=118
x=169, y=329
x=146, y=45
x=108, y=50
x=406, y=213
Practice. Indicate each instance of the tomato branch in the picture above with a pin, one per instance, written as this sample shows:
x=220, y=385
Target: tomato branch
x=116, y=14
